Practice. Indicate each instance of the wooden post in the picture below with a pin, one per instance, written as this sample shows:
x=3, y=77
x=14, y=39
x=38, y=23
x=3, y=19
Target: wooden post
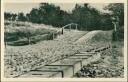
x=70, y=27
x=47, y=37
x=53, y=36
x=76, y=26
x=62, y=30
x=29, y=41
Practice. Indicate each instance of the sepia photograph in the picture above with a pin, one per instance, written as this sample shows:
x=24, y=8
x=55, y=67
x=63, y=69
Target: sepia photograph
x=63, y=40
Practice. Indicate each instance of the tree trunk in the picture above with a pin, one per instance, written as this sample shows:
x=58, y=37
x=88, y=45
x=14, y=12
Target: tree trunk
x=115, y=26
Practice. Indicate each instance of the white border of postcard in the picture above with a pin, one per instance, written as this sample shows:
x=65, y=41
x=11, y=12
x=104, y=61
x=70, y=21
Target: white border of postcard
x=63, y=79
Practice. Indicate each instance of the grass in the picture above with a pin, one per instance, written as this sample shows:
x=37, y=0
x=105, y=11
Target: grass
x=18, y=35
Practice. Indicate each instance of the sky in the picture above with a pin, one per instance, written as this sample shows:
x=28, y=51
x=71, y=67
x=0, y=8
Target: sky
x=27, y=7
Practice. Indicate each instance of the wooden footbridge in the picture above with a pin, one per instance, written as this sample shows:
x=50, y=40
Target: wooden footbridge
x=67, y=67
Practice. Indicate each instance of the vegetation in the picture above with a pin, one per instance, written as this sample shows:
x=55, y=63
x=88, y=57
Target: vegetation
x=40, y=24
x=117, y=10
x=87, y=17
x=19, y=33
x=109, y=66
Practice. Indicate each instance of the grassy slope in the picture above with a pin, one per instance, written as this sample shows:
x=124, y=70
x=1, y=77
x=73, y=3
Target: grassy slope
x=15, y=32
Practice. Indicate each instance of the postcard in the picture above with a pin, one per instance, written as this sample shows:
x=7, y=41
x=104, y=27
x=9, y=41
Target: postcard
x=64, y=40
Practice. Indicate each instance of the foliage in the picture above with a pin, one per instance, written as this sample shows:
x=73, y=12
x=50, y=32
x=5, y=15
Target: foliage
x=91, y=71
x=10, y=16
x=21, y=17
x=117, y=10
x=109, y=66
x=87, y=17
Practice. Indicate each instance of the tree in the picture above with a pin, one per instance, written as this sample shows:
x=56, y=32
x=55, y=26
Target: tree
x=86, y=16
x=7, y=16
x=117, y=10
x=34, y=16
x=10, y=16
x=21, y=17
x=106, y=22
x=51, y=14
x=47, y=14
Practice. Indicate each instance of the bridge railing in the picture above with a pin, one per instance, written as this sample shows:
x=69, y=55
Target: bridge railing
x=70, y=27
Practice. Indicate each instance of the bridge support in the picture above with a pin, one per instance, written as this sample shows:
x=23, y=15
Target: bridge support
x=62, y=31
x=70, y=27
x=53, y=36
x=76, y=26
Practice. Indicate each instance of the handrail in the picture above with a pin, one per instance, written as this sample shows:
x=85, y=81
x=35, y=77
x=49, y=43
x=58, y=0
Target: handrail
x=67, y=26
